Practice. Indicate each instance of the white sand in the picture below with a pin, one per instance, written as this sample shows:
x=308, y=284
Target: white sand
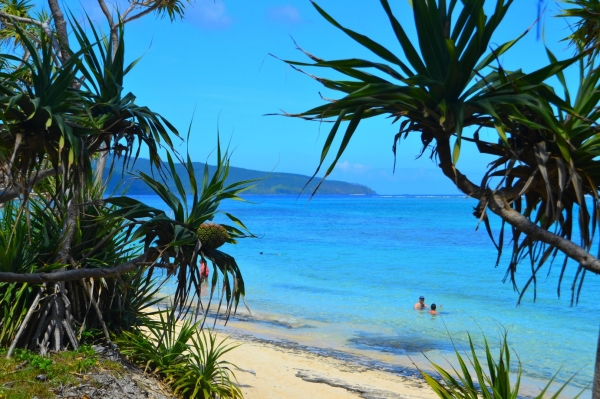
x=272, y=372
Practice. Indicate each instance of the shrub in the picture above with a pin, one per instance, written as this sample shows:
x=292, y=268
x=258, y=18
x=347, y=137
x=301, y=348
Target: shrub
x=493, y=384
x=188, y=359
x=205, y=374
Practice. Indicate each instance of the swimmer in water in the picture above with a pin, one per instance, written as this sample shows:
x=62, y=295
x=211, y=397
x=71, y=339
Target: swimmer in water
x=421, y=304
x=433, y=310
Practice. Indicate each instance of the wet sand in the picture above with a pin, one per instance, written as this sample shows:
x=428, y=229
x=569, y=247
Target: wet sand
x=272, y=370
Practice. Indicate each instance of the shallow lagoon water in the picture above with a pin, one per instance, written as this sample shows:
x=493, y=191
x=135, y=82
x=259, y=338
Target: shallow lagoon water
x=344, y=272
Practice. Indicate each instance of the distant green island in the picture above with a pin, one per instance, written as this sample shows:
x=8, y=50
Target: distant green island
x=271, y=184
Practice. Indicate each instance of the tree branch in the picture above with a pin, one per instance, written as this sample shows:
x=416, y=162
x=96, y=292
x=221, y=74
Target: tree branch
x=68, y=229
x=61, y=29
x=500, y=207
x=44, y=25
x=77, y=274
x=132, y=7
x=114, y=37
x=142, y=13
x=460, y=181
x=8, y=195
x=128, y=10
x=498, y=203
x=106, y=12
x=23, y=19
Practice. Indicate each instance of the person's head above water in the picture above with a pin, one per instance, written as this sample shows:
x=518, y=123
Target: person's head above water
x=433, y=306
x=421, y=298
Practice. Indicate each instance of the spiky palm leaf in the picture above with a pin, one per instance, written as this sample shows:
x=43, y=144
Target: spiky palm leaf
x=177, y=236
x=451, y=82
x=440, y=91
x=554, y=162
x=49, y=117
x=9, y=37
x=36, y=122
x=117, y=120
x=473, y=381
x=29, y=240
x=586, y=24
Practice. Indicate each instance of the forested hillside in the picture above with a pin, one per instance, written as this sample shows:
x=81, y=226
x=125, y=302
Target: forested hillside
x=271, y=184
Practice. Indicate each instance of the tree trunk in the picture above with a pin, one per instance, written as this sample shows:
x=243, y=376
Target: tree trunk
x=114, y=37
x=100, y=166
x=61, y=29
x=596, y=386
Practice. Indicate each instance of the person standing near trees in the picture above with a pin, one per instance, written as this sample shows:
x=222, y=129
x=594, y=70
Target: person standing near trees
x=203, y=272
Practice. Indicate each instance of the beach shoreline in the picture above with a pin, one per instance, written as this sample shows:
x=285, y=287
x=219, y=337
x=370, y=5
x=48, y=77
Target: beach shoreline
x=328, y=276
x=281, y=356
x=272, y=369
x=272, y=366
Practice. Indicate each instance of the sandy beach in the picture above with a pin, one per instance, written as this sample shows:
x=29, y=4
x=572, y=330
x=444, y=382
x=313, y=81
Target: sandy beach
x=281, y=363
x=270, y=370
x=275, y=367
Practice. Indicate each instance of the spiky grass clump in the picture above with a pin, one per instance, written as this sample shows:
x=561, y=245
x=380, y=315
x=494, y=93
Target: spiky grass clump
x=189, y=360
x=212, y=235
x=472, y=381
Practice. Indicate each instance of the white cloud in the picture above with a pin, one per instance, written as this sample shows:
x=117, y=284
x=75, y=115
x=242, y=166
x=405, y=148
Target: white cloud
x=286, y=14
x=348, y=167
x=209, y=14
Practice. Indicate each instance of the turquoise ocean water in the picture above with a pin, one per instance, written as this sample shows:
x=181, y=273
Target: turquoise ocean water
x=343, y=273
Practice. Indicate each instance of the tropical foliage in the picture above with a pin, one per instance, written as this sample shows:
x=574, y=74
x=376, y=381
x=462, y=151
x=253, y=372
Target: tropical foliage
x=75, y=263
x=448, y=86
x=178, y=235
x=190, y=360
x=473, y=381
x=586, y=23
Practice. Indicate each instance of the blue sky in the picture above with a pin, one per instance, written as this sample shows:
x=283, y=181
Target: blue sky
x=216, y=61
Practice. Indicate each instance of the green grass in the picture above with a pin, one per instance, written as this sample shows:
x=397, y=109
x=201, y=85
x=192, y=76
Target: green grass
x=18, y=374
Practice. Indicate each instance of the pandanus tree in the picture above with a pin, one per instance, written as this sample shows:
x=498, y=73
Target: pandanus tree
x=448, y=86
x=73, y=259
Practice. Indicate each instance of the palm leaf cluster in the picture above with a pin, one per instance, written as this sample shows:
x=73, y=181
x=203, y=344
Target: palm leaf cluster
x=487, y=378
x=23, y=249
x=58, y=116
x=29, y=244
x=20, y=8
x=181, y=250
x=449, y=86
x=189, y=360
x=585, y=26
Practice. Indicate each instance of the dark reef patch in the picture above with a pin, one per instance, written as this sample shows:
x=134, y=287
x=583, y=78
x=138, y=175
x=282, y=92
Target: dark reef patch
x=399, y=344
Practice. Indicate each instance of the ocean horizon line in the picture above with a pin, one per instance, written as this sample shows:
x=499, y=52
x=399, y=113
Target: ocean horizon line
x=342, y=195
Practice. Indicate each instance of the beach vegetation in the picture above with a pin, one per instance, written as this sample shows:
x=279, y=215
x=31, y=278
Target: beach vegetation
x=488, y=378
x=451, y=90
x=27, y=374
x=449, y=87
x=189, y=359
x=78, y=264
